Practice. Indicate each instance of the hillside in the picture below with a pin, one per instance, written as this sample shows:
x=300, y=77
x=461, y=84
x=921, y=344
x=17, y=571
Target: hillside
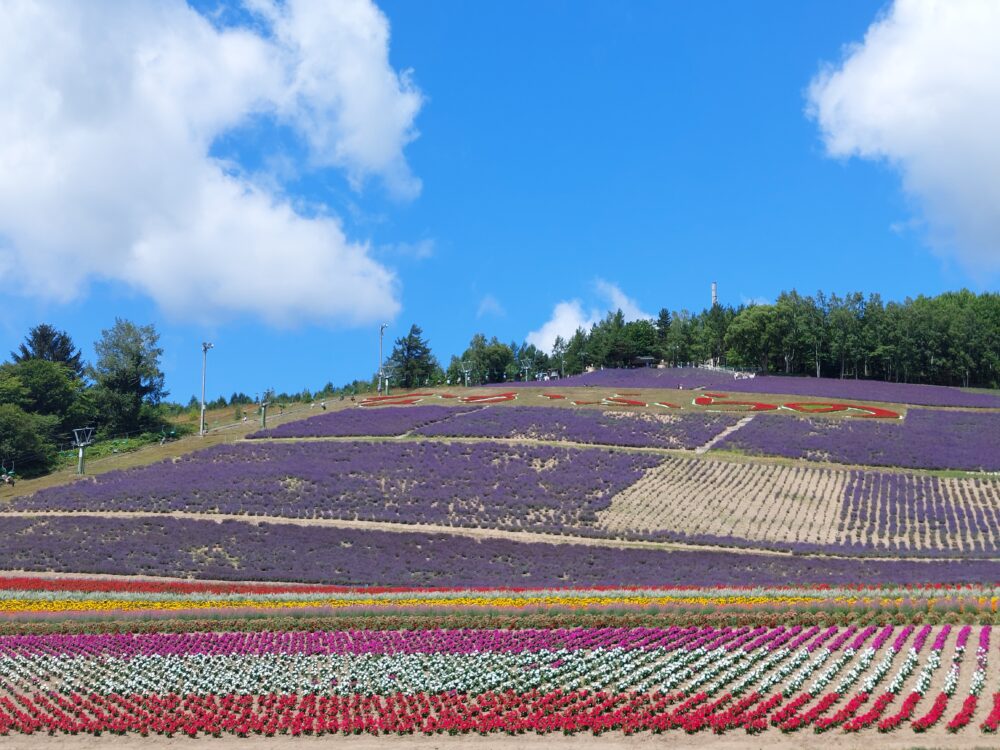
x=730, y=559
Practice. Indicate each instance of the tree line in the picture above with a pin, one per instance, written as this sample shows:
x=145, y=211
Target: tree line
x=949, y=339
x=46, y=391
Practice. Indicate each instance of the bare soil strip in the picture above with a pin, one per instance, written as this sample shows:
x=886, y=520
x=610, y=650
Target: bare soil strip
x=724, y=434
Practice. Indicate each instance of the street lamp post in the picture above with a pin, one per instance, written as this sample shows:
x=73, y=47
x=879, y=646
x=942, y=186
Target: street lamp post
x=381, y=332
x=205, y=346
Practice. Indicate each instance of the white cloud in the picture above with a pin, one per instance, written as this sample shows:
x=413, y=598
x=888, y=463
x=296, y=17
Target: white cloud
x=108, y=112
x=921, y=92
x=354, y=109
x=569, y=315
x=617, y=300
x=490, y=305
x=566, y=318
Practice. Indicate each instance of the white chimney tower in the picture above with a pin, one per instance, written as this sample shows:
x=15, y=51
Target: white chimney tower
x=715, y=294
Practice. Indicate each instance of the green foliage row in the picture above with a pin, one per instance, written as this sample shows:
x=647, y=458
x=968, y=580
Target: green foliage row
x=480, y=619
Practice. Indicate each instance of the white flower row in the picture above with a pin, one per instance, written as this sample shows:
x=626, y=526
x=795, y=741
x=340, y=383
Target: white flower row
x=880, y=671
x=904, y=671
x=924, y=678
x=803, y=674
x=854, y=673
x=831, y=671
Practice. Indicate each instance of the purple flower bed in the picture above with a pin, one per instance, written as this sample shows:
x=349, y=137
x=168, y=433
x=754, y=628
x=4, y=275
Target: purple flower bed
x=912, y=514
x=541, y=488
x=234, y=551
x=375, y=421
x=688, y=430
x=927, y=438
x=834, y=388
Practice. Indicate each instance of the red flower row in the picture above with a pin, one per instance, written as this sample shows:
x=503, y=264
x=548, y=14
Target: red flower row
x=427, y=713
x=905, y=712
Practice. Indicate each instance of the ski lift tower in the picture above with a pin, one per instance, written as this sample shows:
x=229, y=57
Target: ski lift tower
x=82, y=437
x=466, y=370
x=525, y=369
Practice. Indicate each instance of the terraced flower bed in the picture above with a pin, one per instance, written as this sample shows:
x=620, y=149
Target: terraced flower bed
x=927, y=438
x=635, y=429
x=744, y=678
x=239, y=551
x=541, y=487
x=833, y=388
x=389, y=421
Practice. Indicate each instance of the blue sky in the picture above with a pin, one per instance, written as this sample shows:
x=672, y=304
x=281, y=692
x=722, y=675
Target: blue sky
x=513, y=156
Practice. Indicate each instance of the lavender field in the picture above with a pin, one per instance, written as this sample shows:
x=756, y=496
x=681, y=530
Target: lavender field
x=848, y=389
x=539, y=487
x=926, y=438
x=585, y=426
x=356, y=422
x=235, y=551
x=907, y=514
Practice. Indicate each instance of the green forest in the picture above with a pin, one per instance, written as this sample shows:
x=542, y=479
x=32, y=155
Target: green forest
x=950, y=339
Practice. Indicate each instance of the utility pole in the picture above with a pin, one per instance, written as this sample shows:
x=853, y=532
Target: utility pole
x=82, y=437
x=381, y=332
x=205, y=346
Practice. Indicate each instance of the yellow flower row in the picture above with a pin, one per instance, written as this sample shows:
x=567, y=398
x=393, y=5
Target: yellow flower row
x=513, y=602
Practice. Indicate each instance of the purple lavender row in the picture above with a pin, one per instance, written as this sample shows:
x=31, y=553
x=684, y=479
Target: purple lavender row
x=541, y=488
x=927, y=438
x=234, y=550
x=914, y=514
x=382, y=421
x=853, y=390
x=688, y=430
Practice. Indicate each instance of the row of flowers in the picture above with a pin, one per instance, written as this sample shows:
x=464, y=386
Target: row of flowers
x=573, y=679
x=84, y=583
x=711, y=660
x=688, y=608
x=41, y=595
x=704, y=399
x=541, y=712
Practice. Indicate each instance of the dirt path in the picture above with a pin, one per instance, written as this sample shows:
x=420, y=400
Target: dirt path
x=723, y=435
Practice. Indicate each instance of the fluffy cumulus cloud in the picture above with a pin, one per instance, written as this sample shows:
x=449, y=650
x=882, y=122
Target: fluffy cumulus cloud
x=570, y=315
x=921, y=92
x=108, y=115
